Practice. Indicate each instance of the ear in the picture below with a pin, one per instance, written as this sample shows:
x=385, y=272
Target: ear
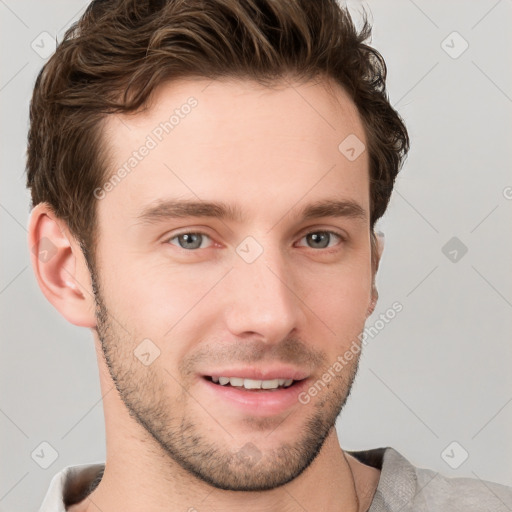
x=377, y=244
x=60, y=267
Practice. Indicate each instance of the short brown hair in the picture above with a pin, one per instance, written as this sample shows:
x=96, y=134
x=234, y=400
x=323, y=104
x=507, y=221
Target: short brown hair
x=115, y=56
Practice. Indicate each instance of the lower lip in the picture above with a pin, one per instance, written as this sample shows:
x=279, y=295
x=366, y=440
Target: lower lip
x=256, y=403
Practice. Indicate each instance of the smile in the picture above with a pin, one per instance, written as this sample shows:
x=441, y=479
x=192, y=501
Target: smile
x=252, y=384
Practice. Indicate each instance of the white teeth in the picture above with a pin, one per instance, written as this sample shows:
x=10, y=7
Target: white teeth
x=253, y=383
x=270, y=384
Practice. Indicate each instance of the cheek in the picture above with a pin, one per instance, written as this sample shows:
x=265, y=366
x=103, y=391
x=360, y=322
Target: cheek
x=135, y=298
x=339, y=299
x=159, y=301
x=343, y=289
x=342, y=308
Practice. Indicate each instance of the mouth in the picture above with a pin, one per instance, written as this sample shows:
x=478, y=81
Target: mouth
x=255, y=385
x=262, y=393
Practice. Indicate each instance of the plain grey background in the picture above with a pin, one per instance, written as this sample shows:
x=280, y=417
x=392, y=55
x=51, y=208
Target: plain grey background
x=435, y=382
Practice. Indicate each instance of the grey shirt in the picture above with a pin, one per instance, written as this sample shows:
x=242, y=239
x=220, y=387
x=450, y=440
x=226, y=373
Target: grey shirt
x=406, y=488
x=402, y=487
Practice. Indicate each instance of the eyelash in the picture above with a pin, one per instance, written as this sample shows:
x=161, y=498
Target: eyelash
x=325, y=249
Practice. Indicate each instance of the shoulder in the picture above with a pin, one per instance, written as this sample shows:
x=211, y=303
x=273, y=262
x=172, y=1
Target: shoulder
x=405, y=487
x=438, y=492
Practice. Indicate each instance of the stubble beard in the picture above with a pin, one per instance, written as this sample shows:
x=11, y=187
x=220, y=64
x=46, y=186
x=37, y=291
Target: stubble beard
x=144, y=391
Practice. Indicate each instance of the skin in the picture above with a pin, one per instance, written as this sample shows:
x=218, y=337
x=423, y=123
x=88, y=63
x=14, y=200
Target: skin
x=169, y=445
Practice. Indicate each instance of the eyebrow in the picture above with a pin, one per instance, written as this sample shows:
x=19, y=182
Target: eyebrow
x=182, y=208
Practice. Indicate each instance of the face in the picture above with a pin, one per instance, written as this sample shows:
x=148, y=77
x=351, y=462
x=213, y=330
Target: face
x=203, y=311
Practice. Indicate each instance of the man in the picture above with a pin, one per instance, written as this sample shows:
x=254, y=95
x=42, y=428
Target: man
x=208, y=175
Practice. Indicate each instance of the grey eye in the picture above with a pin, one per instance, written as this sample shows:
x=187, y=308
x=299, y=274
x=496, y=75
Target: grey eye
x=189, y=241
x=320, y=239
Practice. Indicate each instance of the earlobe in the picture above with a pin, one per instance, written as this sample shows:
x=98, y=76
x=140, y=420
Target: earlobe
x=60, y=267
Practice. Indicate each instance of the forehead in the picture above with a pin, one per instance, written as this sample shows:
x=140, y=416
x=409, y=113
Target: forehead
x=224, y=138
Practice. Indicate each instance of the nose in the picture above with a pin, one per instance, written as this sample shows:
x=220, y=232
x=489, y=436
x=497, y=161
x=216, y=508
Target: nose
x=263, y=299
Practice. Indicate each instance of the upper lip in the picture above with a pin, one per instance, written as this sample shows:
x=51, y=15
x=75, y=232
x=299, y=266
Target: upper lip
x=252, y=372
